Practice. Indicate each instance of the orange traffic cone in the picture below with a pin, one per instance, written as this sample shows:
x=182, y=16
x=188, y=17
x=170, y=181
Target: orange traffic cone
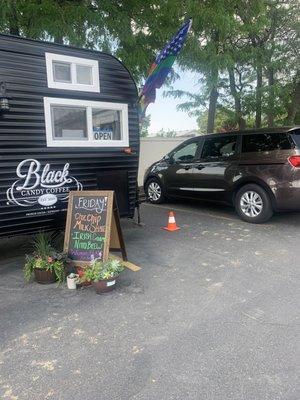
x=172, y=226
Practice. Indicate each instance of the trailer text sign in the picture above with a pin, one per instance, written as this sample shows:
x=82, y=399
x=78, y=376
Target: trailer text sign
x=103, y=134
x=41, y=185
x=88, y=226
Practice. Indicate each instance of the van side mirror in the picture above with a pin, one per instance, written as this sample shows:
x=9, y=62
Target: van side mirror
x=169, y=159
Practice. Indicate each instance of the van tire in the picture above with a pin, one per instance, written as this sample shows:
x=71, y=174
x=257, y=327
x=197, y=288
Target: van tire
x=153, y=188
x=253, y=204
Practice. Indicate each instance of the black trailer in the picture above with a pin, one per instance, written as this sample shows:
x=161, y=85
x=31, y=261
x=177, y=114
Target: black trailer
x=68, y=121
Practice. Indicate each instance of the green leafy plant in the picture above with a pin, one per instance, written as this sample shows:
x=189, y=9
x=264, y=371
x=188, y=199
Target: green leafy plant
x=102, y=270
x=44, y=256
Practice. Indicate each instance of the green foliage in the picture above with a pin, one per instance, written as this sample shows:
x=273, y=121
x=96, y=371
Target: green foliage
x=245, y=39
x=41, y=244
x=224, y=121
x=169, y=133
x=231, y=45
x=145, y=126
x=44, y=256
x=99, y=270
x=132, y=30
x=29, y=267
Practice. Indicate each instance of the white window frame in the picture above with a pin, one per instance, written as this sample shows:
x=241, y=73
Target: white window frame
x=73, y=61
x=89, y=105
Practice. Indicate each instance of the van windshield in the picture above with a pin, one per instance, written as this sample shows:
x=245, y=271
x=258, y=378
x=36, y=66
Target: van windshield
x=296, y=137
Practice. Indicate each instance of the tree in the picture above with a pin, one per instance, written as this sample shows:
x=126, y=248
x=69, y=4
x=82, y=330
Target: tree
x=245, y=53
x=169, y=133
x=133, y=30
x=145, y=126
x=293, y=106
x=212, y=25
x=272, y=38
x=225, y=120
x=235, y=91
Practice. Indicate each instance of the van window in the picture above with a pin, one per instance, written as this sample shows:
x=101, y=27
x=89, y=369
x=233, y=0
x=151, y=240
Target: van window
x=296, y=137
x=265, y=142
x=186, y=153
x=219, y=147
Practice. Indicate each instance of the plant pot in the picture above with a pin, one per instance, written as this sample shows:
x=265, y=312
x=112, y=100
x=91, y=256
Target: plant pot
x=43, y=276
x=105, y=286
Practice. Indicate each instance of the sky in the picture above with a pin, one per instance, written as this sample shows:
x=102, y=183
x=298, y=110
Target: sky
x=163, y=112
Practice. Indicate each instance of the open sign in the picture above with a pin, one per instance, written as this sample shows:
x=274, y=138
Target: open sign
x=103, y=134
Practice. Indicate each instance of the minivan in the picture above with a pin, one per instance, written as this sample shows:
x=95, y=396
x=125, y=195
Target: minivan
x=258, y=172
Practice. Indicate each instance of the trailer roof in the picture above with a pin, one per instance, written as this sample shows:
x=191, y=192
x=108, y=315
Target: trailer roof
x=81, y=49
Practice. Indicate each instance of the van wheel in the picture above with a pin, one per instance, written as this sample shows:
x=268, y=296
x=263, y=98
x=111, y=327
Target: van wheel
x=154, y=191
x=253, y=204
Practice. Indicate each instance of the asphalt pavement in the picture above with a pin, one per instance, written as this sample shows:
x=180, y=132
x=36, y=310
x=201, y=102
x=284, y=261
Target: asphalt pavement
x=213, y=314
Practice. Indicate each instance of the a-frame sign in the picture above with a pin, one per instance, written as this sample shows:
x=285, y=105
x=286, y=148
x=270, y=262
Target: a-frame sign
x=93, y=227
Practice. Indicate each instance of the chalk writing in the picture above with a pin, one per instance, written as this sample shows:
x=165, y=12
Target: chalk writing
x=87, y=228
x=92, y=204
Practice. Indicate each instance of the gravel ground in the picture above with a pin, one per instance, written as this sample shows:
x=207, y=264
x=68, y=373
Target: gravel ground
x=213, y=314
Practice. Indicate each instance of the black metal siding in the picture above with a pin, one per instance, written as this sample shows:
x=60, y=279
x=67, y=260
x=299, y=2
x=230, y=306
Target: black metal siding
x=22, y=128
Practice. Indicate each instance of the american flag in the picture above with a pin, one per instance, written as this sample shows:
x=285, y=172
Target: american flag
x=161, y=67
x=175, y=45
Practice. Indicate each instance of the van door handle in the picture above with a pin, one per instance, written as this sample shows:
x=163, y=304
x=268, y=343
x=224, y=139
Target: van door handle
x=199, y=166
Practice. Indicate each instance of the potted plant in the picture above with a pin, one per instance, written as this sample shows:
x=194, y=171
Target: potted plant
x=81, y=273
x=45, y=263
x=103, y=274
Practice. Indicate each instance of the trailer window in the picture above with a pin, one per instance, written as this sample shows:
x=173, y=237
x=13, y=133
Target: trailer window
x=84, y=74
x=69, y=123
x=85, y=123
x=62, y=72
x=72, y=73
x=106, y=124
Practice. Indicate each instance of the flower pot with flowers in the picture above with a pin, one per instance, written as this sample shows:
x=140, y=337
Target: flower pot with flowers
x=103, y=274
x=81, y=273
x=45, y=263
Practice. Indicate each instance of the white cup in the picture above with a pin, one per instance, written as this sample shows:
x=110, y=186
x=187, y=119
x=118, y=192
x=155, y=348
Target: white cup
x=72, y=279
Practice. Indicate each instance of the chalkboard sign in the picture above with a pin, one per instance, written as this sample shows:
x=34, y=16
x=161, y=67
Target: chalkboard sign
x=91, y=220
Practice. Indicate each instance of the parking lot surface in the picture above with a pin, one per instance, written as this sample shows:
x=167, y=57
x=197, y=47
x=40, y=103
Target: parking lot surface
x=213, y=314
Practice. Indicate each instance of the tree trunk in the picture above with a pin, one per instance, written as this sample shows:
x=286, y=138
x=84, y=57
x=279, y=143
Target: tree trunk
x=294, y=105
x=237, y=101
x=213, y=98
x=270, y=115
x=13, y=19
x=258, y=96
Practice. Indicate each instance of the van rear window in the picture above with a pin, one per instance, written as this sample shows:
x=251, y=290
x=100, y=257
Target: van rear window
x=296, y=137
x=265, y=142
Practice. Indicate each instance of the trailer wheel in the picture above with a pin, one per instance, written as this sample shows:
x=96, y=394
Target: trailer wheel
x=154, y=191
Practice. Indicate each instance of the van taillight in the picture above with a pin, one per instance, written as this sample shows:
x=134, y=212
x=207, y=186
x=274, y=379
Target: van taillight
x=294, y=161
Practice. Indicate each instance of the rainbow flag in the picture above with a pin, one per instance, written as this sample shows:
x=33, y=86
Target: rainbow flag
x=161, y=67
